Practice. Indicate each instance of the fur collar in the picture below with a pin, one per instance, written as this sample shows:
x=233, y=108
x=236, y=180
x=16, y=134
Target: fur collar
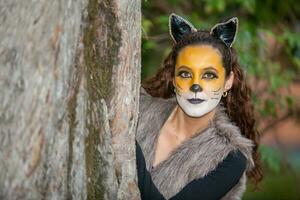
x=196, y=156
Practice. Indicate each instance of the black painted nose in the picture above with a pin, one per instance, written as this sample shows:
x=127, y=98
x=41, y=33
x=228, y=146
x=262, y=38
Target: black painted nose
x=196, y=88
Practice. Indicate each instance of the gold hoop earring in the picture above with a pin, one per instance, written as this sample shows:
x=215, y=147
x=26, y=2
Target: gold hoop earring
x=224, y=94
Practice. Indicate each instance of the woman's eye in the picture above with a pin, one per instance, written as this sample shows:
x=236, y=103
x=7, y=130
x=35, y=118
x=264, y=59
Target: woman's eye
x=209, y=76
x=184, y=74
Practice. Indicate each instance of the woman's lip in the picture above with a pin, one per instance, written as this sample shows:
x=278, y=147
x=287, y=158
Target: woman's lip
x=195, y=101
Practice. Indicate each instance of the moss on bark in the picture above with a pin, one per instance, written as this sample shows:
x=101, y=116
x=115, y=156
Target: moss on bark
x=102, y=39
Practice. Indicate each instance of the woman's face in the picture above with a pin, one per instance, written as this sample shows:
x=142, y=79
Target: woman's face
x=200, y=79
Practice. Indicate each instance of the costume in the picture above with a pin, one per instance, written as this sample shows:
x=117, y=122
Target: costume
x=195, y=157
x=213, y=186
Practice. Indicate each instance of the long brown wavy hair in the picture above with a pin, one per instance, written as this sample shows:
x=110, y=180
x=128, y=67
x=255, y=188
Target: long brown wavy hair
x=237, y=102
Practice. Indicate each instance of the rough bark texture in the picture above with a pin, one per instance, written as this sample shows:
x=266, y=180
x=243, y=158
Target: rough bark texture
x=69, y=79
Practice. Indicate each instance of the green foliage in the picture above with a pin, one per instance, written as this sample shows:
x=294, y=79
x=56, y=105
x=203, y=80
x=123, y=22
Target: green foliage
x=272, y=157
x=275, y=186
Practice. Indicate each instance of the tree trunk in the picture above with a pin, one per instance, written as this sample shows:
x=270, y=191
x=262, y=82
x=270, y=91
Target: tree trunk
x=69, y=79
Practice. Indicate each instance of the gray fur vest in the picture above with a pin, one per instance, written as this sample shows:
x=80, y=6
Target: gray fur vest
x=195, y=157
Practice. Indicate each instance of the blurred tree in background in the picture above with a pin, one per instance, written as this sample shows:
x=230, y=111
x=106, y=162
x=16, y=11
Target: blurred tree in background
x=268, y=45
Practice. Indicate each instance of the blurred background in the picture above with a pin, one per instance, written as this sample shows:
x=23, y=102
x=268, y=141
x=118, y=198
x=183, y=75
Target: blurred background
x=268, y=45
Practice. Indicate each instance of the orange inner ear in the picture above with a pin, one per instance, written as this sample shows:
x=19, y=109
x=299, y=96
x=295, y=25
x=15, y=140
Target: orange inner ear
x=197, y=64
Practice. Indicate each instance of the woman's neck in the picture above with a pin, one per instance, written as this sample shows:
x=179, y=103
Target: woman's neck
x=187, y=126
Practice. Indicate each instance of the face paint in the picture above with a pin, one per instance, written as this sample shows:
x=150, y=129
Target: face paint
x=199, y=79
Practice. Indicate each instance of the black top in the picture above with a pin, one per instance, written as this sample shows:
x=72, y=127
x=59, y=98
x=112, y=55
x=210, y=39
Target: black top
x=212, y=186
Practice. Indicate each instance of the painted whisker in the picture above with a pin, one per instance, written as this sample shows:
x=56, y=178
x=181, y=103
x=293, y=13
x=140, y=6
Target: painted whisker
x=217, y=90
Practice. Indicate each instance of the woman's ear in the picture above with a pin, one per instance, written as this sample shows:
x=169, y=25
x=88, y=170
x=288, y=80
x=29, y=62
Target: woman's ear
x=229, y=81
x=226, y=31
x=178, y=27
x=173, y=81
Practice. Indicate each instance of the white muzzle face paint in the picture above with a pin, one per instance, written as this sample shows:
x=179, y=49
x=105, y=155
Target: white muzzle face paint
x=200, y=108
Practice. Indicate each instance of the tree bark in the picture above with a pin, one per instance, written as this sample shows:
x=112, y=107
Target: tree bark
x=69, y=79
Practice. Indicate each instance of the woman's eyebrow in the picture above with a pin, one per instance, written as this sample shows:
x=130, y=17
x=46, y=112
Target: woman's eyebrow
x=184, y=67
x=210, y=68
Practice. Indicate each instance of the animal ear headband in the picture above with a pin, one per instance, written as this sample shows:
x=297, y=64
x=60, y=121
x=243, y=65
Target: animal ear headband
x=226, y=31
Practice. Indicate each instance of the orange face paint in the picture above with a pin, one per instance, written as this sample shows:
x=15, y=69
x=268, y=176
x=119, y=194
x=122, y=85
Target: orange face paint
x=199, y=64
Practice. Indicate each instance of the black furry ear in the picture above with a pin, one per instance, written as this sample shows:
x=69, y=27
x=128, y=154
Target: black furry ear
x=226, y=31
x=178, y=27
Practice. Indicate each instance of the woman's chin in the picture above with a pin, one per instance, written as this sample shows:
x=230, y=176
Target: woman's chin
x=196, y=109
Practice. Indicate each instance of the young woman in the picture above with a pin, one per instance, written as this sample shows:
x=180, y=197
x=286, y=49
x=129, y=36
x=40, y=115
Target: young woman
x=196, y=137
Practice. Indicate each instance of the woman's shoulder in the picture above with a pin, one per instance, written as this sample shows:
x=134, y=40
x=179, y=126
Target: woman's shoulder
x=236, y=160
x=143, y=92
x=145, y=98
x=148, y=103
x=231, y=134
